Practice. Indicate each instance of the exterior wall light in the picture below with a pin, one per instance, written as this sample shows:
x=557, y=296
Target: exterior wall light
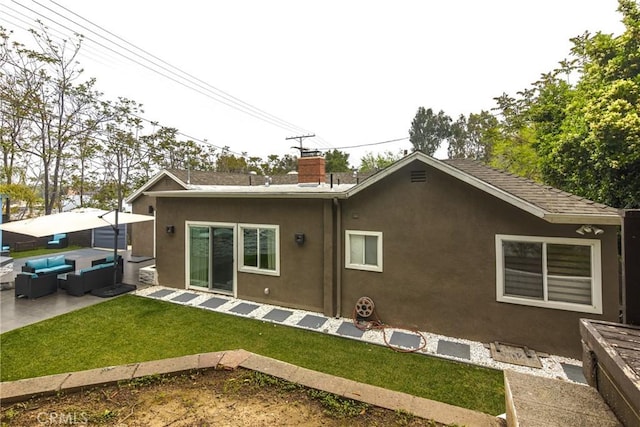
x=586, y=229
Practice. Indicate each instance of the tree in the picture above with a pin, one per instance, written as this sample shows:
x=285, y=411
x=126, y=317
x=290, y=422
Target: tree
x=592, y=147
x=59, y=110
x=275, y=165
x=123, y=153
x=373, y=163
x=459, y=140
x=336, y=161
x=19, y=193
x=227, y=162
x=429, y=130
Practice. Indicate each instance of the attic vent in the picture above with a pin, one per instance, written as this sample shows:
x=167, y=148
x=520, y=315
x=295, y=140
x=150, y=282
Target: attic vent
x=419, y=176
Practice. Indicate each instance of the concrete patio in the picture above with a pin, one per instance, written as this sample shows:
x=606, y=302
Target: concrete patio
x=18, y=312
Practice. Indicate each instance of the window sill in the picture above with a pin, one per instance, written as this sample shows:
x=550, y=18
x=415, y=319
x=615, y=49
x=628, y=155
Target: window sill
x=259, y=271
x=373, y=268
x=552, y=305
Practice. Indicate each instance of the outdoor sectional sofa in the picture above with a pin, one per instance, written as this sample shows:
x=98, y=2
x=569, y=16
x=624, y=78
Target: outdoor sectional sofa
x=95, y=277
x=58, y=241
x=54, y=265
x=32, y=285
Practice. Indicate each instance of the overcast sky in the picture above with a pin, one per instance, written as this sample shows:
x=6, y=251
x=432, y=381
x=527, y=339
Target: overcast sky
x=351, y=72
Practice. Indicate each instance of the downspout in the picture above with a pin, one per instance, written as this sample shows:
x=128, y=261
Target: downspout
x=338, y=225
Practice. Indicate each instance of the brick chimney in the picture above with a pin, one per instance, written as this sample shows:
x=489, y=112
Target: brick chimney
x=311, y=169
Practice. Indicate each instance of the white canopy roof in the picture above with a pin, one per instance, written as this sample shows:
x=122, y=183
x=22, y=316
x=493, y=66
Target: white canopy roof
x=67, y=222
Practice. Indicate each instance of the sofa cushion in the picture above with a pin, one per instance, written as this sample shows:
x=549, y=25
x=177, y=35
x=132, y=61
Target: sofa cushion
x=88, y=269
x=55, y=261
x=37, y=264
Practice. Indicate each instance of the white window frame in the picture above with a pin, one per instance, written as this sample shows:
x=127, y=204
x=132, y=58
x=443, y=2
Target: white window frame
x=347, y=250
x=596, y=274
x=252, y=269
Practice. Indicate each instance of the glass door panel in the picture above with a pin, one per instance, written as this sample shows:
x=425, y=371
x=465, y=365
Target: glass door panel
x=199, y=264
x=222, y=249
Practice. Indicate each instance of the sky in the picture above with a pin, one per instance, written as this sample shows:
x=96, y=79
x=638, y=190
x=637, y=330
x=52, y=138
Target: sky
x=351, y=72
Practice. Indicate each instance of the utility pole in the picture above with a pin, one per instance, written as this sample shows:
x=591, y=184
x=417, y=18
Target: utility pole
x=300, y=138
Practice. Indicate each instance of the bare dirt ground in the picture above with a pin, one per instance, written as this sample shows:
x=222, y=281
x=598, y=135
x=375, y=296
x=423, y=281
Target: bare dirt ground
x=202, y=398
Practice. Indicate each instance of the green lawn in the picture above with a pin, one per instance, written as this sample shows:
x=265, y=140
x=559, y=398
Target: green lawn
x=41, y=251
x=132, y=329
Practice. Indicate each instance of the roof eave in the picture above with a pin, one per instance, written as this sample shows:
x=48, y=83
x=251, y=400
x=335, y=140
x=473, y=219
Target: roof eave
x=245, y=195
x=594, y=219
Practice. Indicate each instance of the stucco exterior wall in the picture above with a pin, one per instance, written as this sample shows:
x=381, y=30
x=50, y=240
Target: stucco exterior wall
x=306, y=275
x=440, y=263
x=142, y=233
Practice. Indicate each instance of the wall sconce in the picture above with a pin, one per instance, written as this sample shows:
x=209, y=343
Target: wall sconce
x=170, y=229
x=299, y=237
x=151, y=209
x=586, y=229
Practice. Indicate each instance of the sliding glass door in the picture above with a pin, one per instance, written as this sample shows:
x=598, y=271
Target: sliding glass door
x=211, y=259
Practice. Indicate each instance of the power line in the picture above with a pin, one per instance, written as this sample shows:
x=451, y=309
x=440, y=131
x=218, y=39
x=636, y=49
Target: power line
x=214, y=93
x=371, y=144
x=191, y=76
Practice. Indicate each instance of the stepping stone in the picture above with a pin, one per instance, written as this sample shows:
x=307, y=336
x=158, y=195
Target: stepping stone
x=161, y=293
x=401, y=339
x=574, y=373
x=348, y=329
x=311, y=321
x=454, y=349
x=184, y=297
x=213, y=302
x=278, y=315
x=243, y=308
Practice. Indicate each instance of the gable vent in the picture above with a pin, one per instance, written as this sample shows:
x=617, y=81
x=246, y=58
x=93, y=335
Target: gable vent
x=419, y=176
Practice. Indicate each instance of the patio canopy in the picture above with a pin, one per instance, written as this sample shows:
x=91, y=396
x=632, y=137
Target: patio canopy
x=75, y=220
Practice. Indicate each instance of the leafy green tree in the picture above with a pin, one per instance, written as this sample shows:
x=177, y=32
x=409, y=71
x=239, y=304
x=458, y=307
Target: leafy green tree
x=123, y=152
x=57, y=105
x=517, y=154
x=592, y=146
x=276, y=165
x=428, y=130
x=337, y=161
x=459, y=139
x=373, y=162
x=227, y=162
x=474, y=137
x=20, y=193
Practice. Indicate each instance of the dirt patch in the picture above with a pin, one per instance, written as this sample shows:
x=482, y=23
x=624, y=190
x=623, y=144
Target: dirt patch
x=203, y=398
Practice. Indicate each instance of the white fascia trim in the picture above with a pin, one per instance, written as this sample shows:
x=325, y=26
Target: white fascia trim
x=583, y=219
x=456, y=173
x=246, y=195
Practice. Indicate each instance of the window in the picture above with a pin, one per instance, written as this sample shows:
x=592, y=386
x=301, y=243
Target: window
x=363, y=250
x=549, y=272
x=260, y=249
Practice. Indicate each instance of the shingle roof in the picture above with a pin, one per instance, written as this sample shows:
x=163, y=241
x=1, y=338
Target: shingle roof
x=222, y=178
x=543, y=201
x=545, y=197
